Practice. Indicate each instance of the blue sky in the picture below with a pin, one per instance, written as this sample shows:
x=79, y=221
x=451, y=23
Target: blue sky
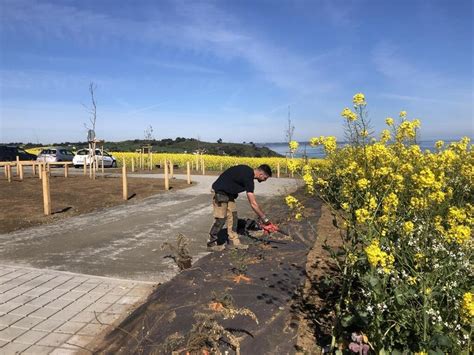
x=230, y=69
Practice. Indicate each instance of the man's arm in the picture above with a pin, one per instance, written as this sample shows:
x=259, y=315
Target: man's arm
x=255, y=206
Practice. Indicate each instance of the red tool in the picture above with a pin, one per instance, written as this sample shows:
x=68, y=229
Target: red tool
x=272, y=228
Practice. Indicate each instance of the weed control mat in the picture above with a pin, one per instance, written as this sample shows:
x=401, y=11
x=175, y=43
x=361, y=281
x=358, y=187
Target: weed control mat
x=273, y=275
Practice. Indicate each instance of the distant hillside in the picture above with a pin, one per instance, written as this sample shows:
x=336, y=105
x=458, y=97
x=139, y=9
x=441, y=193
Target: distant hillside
x=178, y=145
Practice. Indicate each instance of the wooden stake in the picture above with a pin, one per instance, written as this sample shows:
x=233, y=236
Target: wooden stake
x=171, y=169
x=151, y=161
x=133, y=164
x=124, y=181
x=40, y=169
x=278, y=169
x=6, y=170
x=85, y=167
x=9, y=172
x=167, y=178
x=34, y=169
x=46, y=193
x=197, y=163
x=66, y=170
x=203, y=167
x=20, y=167
x=188, y=172
x=17, y=165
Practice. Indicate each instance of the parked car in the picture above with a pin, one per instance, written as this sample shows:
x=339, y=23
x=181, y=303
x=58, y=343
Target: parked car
x=55, y=154
x=9, y=153
x=82, y=157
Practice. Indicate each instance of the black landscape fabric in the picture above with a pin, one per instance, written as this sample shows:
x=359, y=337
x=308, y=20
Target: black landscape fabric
x=275, y=272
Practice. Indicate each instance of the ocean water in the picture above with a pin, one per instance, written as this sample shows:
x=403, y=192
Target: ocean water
x=318, y=151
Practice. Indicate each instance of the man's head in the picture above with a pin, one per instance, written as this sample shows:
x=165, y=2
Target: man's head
x=262, y=173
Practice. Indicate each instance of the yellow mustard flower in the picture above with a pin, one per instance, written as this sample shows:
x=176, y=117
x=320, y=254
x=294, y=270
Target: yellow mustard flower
x=362, y=215
x=348, y=114
x=293, y=145
x=363, y=183
x=408, y=227
x=378, y=257
x=359, y=99
x=467, y=307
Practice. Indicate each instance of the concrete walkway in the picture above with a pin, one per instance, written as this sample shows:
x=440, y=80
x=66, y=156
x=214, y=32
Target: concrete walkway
x=53, y=312
x=49, y=309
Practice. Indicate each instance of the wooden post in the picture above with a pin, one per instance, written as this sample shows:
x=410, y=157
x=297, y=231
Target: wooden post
x=66, y=170
x=17, y=165
x=102, y=160
x=33, y=167
x=278, y=169
x=6, y=170
x=48, y=167
x=46, y=193
x=203, y=167
x=171, y=169
x=85, y=167
x=197, y=163
x=167, y=180
x=133, y=164
x=40, y=169
x=151, y=161
x=20, y=167
x=9, y=172
x=188, y=172
x=124, y=181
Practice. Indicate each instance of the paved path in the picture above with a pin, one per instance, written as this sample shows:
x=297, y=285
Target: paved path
x=44, y=311
x=48, y=297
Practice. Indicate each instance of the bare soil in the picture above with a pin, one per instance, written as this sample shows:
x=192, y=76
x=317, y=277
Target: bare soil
x=319, y=296
x=21, y=202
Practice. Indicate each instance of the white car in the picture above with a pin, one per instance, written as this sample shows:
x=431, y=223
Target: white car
x=82, y=157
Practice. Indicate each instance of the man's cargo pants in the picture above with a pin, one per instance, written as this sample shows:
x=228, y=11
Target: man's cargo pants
x=224, y=212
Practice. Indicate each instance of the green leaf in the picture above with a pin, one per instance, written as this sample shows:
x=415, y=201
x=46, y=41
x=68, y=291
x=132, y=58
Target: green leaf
x=399, y=298
x=347, y=320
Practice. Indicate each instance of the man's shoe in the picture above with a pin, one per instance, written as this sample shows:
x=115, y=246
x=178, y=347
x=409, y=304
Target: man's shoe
x=215, y=247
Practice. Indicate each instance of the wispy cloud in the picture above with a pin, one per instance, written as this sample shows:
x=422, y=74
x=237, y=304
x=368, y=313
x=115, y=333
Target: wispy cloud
x=185, y=67
x=390, y=62
x=199, y=27
x=420, y=99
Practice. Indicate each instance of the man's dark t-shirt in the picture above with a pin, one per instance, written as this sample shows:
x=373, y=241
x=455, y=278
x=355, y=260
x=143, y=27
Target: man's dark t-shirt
x=235, y=180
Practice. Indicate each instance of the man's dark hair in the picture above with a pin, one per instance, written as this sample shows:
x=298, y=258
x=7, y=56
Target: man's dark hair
x=266, y=169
